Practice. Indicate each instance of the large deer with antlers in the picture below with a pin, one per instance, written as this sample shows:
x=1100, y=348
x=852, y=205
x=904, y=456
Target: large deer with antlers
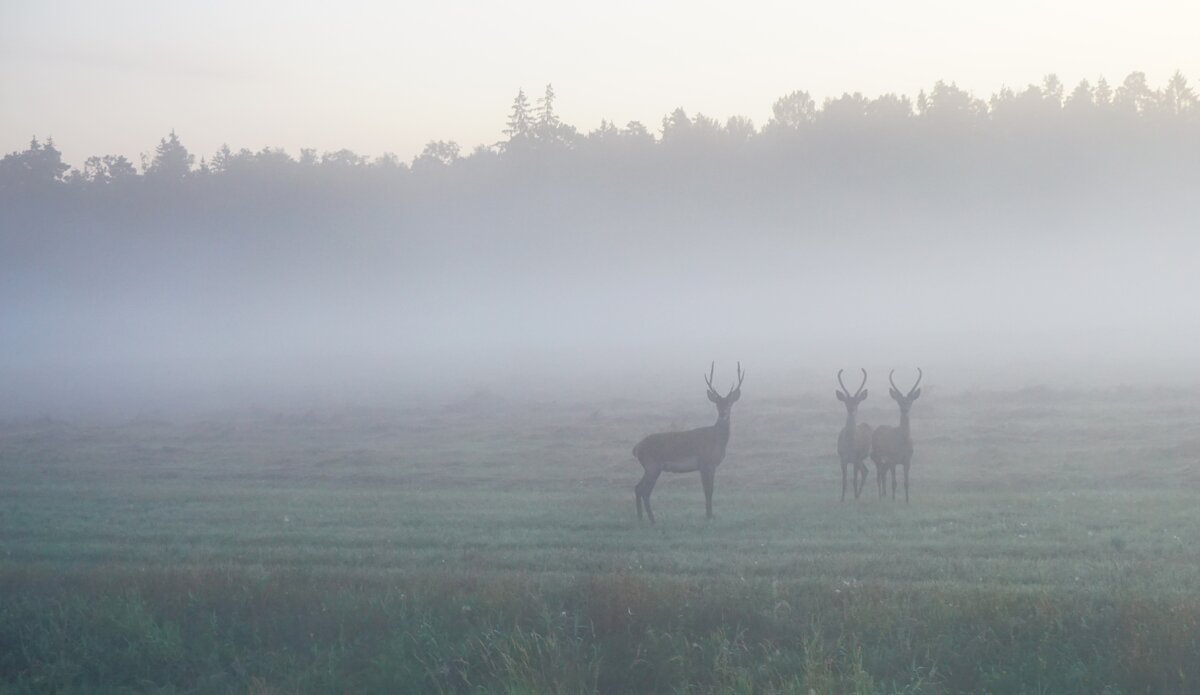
x=892, y=446
x=854, y=441
x=701, y=449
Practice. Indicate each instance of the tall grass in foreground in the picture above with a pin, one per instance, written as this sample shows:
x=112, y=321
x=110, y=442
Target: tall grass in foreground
x=247, y=630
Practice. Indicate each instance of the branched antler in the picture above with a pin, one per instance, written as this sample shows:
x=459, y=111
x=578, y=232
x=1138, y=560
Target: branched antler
x=860, y=386
x=741, y=378
x=912, y=390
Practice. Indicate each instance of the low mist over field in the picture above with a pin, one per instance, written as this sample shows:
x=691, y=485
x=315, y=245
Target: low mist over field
x=539, y=348
x=1044, y=235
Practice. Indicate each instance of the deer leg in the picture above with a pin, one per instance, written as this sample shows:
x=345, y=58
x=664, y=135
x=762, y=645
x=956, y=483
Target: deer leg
x=647, y=487
x=893, y=467
x=906, y=465
x=706, y=477
x=859, y=484
x=639, y=491
x=844, y=479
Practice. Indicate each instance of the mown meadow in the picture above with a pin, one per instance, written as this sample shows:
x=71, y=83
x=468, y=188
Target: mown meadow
x=491, y=545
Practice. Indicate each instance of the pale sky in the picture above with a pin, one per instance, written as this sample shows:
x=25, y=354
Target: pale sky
x=113, y=77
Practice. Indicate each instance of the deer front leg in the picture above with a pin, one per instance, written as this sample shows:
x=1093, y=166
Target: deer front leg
x=906, y=465
x=706, y=477
x=859, y=482
x=893, y=467
x=844, y=479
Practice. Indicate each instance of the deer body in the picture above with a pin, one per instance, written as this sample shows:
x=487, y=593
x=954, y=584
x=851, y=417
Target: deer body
x=701, y=449
x=685, y=452
x=854, y=441
x=892, y=446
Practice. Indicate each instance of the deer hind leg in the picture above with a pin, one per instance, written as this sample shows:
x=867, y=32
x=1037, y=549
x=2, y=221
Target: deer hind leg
x=647, y=485
x=639, y=491
x=706, y=478
x=893, y=467
x=859, y=483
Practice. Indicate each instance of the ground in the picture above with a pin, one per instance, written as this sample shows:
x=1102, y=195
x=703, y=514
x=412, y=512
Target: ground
x=493, y=545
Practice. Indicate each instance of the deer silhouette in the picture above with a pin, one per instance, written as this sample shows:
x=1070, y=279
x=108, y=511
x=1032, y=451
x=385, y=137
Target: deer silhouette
x=701, y=449
x=854, y=441
x=892, y=446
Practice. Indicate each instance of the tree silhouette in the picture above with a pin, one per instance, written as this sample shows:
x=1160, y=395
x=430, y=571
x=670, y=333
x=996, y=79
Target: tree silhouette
x=846, y=109
x=1178, y=99
x=549, y=130
x=171, y=161
x=1134, y=96
x=1082, y=99
x=889, y=108
x=437, y=153
x=343, y=159
x=38, y=166
x=1104, y=94
x=946, y=104
x=739, y=130
x=547, y=120
x=520, y=124
x=792, y=112
x=801, y=138
x=108, y=169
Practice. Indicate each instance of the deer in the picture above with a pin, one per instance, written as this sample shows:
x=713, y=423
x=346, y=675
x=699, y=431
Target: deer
x=892, y=446
x=854, y=441
x=701, y=449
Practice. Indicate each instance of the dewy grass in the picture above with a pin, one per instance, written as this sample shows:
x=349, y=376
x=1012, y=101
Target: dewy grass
x=230, y=628
x=500, y=553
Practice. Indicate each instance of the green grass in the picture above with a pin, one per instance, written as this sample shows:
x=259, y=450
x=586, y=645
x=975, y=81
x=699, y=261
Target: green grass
x=1051, y=546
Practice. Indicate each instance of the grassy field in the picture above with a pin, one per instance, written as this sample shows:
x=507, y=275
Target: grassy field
x=1052, y=545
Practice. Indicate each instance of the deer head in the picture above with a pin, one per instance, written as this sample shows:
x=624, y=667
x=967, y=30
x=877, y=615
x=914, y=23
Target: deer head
x=724, y=403
x=859, y=396
x=905, y=401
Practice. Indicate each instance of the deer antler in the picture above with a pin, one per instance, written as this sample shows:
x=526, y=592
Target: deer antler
x=860, y=386
x=920, y=374
x=741, y=377
x=708, y=379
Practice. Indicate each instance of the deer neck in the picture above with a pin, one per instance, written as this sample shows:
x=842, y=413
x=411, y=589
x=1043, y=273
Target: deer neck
x=904, y=425
x=722, y=428
x=851, y=420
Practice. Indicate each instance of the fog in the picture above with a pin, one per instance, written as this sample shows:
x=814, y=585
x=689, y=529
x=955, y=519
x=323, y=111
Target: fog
x=1029, y=239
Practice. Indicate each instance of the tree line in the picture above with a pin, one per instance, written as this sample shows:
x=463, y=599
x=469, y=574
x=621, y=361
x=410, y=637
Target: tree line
x=1131, y=115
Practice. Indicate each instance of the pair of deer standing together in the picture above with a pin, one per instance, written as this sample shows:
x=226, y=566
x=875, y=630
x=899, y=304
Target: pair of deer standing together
x=887, y=446
x=703, y=449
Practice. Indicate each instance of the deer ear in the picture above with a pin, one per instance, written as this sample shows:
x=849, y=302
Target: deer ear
x=733, y=397
x=863, y=396
x=915, y=395
x=840, y=396
x=713, y=396
x=894, y=393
